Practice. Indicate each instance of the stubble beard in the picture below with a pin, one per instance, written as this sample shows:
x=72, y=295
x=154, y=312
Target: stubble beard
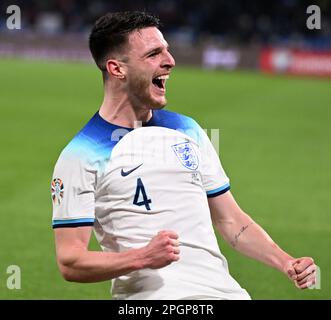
x=140, y=96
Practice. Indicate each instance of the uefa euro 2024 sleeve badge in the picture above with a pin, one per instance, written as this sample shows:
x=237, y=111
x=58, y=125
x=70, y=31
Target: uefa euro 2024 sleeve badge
x=186, y=154
x=57, y=190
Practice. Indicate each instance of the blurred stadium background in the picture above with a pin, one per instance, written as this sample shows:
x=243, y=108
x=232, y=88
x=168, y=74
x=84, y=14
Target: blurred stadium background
x=249, y=68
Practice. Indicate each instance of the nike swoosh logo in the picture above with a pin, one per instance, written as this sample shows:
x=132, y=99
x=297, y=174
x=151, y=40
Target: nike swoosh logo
x=126, y=173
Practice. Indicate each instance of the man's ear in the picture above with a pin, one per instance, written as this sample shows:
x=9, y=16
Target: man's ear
x=115, y=69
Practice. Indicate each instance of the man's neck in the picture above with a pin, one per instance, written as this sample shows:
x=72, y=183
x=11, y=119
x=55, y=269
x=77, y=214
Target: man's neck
x=121, y=112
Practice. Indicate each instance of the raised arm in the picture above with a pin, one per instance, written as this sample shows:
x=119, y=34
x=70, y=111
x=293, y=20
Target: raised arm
x=78, y=264
x=246, y=236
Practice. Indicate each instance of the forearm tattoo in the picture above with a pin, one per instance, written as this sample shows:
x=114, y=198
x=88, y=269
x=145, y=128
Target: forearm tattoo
x=236, y=237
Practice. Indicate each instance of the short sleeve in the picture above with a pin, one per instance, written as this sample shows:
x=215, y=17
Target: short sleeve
x=73, y=192
x=214, y=179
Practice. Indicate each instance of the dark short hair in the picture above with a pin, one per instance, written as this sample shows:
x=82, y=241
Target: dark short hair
x=110, y=32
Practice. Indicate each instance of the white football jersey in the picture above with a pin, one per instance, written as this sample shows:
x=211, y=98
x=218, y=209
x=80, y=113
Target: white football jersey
x=131, y=184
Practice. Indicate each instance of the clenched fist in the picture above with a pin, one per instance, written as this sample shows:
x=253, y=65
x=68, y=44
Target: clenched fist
x=162, y=250
x=302, y=271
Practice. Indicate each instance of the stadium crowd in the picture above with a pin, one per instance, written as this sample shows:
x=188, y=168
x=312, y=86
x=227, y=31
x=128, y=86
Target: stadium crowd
x=239, y=22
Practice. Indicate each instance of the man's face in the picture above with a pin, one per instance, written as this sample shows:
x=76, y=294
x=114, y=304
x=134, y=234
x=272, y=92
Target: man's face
x=148, y=67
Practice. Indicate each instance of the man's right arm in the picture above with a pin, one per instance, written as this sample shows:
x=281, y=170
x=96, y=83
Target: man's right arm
x=78, y=264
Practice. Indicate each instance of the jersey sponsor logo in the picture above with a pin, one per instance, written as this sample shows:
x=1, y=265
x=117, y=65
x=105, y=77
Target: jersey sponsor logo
x=126, y=173
x=186, y=154
x=57, y=190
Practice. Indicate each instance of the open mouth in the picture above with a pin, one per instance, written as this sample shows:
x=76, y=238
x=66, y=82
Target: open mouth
x=160, y=81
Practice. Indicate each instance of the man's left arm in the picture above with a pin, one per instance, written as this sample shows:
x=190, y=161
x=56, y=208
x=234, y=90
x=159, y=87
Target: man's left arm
x=247, y=237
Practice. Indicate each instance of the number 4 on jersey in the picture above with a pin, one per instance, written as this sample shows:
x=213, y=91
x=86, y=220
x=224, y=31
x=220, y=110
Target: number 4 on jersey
x=141, y=189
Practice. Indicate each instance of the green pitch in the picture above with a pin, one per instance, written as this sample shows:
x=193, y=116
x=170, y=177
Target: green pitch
x=275, y=146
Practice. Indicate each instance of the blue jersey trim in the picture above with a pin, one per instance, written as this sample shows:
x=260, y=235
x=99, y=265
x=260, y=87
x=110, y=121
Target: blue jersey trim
x=218, y=191
x=73, y=223
x=96, y=140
